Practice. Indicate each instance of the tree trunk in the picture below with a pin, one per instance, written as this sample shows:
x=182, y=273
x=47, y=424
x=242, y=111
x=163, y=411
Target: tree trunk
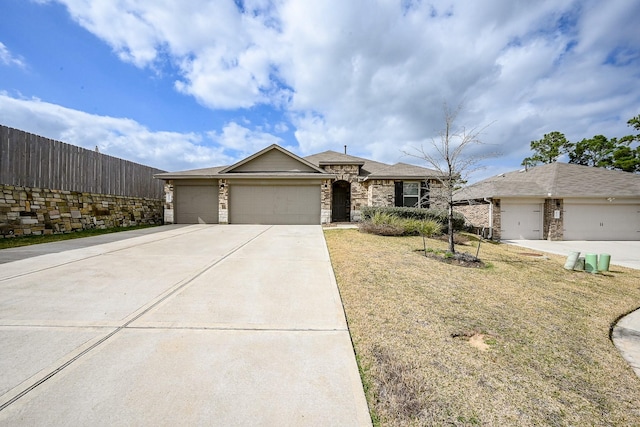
x=452, y=248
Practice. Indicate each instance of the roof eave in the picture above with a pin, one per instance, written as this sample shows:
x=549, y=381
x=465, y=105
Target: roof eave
x=179, y=176
x=303, y=175
x=340, y=162
x=399, y=177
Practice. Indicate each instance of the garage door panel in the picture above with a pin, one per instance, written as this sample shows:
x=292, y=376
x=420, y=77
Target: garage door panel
x=521, y=221
x=274, y=204
x=196, y=204
x=601, y=222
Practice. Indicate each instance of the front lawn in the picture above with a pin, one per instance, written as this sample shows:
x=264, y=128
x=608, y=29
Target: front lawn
x=519, y=342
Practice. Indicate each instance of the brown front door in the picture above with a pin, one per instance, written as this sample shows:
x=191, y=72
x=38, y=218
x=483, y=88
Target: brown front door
x=341, y=204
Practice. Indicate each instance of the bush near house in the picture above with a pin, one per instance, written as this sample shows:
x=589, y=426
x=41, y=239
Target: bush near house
x=437, y=215
x=386, y=224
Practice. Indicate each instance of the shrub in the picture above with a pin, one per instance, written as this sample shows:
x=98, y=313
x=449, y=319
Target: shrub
x=438, y=215
x=383, y=218
x=386, y=224
x=381, y=229
x=428, y=228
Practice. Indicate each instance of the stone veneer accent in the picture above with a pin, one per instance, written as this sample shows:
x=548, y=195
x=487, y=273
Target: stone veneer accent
x=325, y=206
x=359, y=191
x=381, y=192
x=168, y=202
x=553, y=228
x=438, y=198
x=497, y=219
x=223, y=201
x=36, y=211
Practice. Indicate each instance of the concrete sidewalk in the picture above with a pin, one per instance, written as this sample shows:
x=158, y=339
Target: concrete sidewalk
x=626, y=337
x=197, y=325
x=624, y=253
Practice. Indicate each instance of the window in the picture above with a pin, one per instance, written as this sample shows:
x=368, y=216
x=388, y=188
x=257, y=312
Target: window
x=412, y=194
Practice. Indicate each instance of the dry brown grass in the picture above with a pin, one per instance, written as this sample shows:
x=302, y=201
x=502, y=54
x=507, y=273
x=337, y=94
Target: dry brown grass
x=418, y=326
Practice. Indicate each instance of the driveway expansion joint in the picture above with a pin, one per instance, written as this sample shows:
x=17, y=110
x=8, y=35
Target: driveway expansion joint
x=175, y=290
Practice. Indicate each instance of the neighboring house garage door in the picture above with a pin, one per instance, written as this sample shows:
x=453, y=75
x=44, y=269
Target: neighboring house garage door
x=521, y=220
x=274, y=204
x=196, y=204
x=584, y=221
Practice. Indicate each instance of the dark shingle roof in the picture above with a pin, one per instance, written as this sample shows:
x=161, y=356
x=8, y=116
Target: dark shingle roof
x=372, y=169
x=404, y=170
x=368, y=168
x=559, y=180
x=192, y=172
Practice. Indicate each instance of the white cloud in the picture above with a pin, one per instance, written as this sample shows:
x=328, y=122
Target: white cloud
x=374, y=75
x=7, y=58
x=119, y=137
x=243, y=140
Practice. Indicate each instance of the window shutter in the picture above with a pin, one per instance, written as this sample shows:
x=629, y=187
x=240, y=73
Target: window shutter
x=424, y=194
x=399, y=193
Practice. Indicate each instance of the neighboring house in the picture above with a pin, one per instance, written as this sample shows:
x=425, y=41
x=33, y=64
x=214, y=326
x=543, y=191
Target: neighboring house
x=557, y=201
x=274, y=186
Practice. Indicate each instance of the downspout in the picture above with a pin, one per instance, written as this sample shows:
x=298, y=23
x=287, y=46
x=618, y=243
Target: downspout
x=490, y=217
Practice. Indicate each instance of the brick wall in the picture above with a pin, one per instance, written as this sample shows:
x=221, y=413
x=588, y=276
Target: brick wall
x=36, y=211
x=475, y=215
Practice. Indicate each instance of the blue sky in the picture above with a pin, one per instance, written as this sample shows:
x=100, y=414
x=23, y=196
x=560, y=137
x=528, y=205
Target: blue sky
x=182, y=85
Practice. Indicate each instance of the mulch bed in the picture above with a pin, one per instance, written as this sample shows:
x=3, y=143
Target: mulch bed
x=460, y=259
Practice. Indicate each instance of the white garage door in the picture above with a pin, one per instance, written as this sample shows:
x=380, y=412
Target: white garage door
x=196, y=204
x=274, y=204
x=601, y=222
x=520, y=220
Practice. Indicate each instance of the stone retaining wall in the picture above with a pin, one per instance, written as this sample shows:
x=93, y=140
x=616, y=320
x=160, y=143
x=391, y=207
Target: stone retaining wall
x=36, y=211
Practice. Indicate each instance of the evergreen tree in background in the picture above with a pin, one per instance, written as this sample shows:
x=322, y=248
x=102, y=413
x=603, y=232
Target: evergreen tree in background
x=599, y=151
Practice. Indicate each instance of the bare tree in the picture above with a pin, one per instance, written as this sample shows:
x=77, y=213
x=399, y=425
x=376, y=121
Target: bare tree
x=448, y=154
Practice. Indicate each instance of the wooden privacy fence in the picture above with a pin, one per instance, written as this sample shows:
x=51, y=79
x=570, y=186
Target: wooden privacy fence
x=30, y=160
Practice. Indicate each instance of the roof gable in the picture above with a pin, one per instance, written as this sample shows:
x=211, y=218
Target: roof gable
x=272, y=159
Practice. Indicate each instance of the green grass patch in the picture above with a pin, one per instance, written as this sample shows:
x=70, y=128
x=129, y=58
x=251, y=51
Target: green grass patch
x=14, y=242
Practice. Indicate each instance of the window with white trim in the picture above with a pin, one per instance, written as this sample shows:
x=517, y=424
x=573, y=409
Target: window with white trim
x=410, y=193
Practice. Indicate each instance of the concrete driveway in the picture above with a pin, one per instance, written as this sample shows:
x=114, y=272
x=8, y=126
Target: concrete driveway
x=624, y=253
x=197, y=325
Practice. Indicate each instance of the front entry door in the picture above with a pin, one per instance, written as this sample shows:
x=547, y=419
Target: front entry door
x=341, y=204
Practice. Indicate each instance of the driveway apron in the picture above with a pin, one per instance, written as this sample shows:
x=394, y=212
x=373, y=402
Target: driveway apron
x=198, y=325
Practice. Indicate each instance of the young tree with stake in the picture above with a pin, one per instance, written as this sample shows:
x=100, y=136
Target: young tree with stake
x=449, y=154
